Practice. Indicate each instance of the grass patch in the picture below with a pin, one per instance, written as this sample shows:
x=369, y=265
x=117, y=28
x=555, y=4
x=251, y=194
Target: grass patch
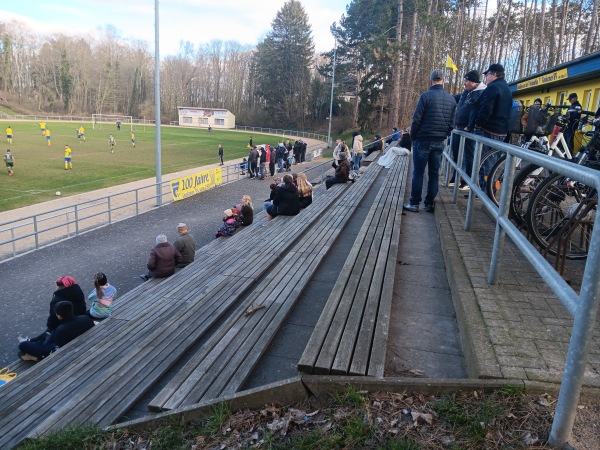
x=39, y=169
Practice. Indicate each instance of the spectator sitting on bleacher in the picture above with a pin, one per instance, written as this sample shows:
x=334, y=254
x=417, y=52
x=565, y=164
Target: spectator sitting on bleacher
x=67, y=290
x=69, y=328
x=230, y=224
x=286, y=201
x=405, y=140
x=375, y=146
x=305, y=190
x=245, y=211
x=163, y=259
x=102, y=298
x=394, y=137
x=185, y=244
x=342, y=172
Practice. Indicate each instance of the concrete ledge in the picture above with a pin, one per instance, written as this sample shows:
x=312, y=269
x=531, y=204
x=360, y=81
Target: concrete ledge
x=479, y=353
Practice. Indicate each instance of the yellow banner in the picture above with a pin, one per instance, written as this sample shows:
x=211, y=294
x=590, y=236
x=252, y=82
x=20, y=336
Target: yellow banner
x=185, y=187
x=544, y=79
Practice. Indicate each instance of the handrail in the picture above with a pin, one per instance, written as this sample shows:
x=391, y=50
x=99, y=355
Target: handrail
x=276, y=131
x=583, y=307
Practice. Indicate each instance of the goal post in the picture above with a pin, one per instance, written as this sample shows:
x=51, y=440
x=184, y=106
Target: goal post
x=106, y=121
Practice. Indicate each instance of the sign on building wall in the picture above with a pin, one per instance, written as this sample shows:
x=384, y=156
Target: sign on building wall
x=544, y=79
x=187, y=186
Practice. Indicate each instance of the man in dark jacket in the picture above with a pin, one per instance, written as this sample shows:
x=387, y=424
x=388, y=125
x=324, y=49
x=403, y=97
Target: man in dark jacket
x=431, y=125
x=286, y=201
x=164, y=257
x=342, y=172
x=185, y=245
x=574, y=114
x=491, y=115
x=69, y=328
x=464, y=109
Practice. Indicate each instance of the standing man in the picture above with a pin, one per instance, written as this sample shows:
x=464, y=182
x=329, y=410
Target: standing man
x=118, y=125
x=43, y=128
x=253, y=162
x=464, y=108
x=573, y=113
x=9, y=134
x=220, y=154
x=9, y=160
x=132, y=140
x=68, y=152
x=185, y=244
x=491, y=115
x=431, y=124
x=250, y=143
x=81, y=132
x=48, y=138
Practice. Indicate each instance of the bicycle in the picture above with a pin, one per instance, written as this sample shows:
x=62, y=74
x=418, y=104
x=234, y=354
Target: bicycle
x=561, y=212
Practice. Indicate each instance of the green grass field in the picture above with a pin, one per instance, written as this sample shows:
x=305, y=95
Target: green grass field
x=39, y=170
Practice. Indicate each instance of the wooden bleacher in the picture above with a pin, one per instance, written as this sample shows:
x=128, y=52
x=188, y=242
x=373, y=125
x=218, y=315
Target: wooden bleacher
x=99, y=376
x=351, y=335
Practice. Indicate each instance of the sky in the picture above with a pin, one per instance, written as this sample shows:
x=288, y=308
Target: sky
x=196, y=21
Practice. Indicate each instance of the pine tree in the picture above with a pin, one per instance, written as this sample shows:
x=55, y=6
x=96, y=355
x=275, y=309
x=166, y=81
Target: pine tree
x=283, y=65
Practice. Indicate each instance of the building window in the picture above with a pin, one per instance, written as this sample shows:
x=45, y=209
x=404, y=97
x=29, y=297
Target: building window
x=187, y=120
x=561, y=97
x=219, y=113
x=203, y=121
x=220, y=122
x=587, y=100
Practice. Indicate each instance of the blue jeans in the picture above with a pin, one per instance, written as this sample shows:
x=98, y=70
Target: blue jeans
x=357, y=159
x=280, y=164
x=486, y=166
x=426, y=154
x=468, y=153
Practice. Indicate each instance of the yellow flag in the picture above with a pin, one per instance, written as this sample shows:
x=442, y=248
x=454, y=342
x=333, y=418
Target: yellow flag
x=450, y=64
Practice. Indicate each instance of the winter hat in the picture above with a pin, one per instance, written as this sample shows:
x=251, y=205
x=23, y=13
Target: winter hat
x=228, y=213
x=342, y=155
x=161, y=239
x=65, y=281
x=473, y=76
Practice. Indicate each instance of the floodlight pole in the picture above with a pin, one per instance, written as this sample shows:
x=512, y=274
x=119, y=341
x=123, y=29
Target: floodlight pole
x=157, y=106
x=331, y=100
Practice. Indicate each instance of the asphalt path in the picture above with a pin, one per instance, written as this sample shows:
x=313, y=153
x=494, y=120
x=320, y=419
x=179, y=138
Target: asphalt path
x=120, y=250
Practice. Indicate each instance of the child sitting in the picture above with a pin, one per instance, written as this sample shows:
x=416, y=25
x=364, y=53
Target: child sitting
x=230, y=224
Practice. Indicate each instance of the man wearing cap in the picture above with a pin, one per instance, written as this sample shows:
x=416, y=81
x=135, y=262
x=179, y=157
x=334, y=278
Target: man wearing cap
x=574, y=114
x=185, y=244
x=491, y=115
x=431, y=125
x=464, y=108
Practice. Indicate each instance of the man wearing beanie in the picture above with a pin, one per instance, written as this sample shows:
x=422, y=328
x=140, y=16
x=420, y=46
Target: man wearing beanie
x=464, y=109
x=70, y=327
x=491, y=116
x=431, y=125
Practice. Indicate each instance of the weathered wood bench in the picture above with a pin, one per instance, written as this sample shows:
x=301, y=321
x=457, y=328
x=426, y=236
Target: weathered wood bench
x=351, y=334
x=225, y=361
x=99, y=376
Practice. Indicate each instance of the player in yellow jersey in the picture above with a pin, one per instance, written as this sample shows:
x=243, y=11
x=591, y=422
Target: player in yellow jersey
x=48, y=137
x=9, y=134
x=68, y=152
x=43, y=128
x=132, y=139
x=81, y=133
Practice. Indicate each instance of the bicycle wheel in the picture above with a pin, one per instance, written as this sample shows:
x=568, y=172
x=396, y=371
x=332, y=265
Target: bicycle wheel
x=560, y=207
x=526, y=181
x=496, y=177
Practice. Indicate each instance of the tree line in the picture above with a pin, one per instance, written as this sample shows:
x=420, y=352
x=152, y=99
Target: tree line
x=384, y=52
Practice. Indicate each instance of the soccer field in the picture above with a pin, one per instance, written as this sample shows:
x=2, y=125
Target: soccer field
x=39, y=170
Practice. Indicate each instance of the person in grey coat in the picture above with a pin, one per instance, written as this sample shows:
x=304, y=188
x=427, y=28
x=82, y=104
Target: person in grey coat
x=185, y=244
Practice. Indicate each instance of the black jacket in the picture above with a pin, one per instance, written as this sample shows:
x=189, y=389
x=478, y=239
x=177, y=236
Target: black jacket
x=434, y=115
x=492, y=108
x=72, y=294
x=287, y=200
x=464, y=107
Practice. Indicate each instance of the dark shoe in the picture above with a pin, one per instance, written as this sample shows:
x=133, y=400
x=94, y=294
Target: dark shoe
x=144, y=277
x=429, y=208
x=411, y=208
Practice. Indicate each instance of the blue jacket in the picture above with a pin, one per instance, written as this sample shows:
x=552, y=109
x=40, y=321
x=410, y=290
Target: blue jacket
x=493, y=107
x=434, y=115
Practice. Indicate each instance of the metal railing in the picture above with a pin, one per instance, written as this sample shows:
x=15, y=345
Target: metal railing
x=24, y=234
x=277, y=131
x=583, y=308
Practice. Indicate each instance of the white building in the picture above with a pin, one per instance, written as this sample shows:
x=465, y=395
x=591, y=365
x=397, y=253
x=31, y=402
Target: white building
x=205, y=117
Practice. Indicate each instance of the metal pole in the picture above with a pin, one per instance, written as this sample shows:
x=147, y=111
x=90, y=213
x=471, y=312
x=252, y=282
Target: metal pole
x=331, y=100
x=157, y=106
